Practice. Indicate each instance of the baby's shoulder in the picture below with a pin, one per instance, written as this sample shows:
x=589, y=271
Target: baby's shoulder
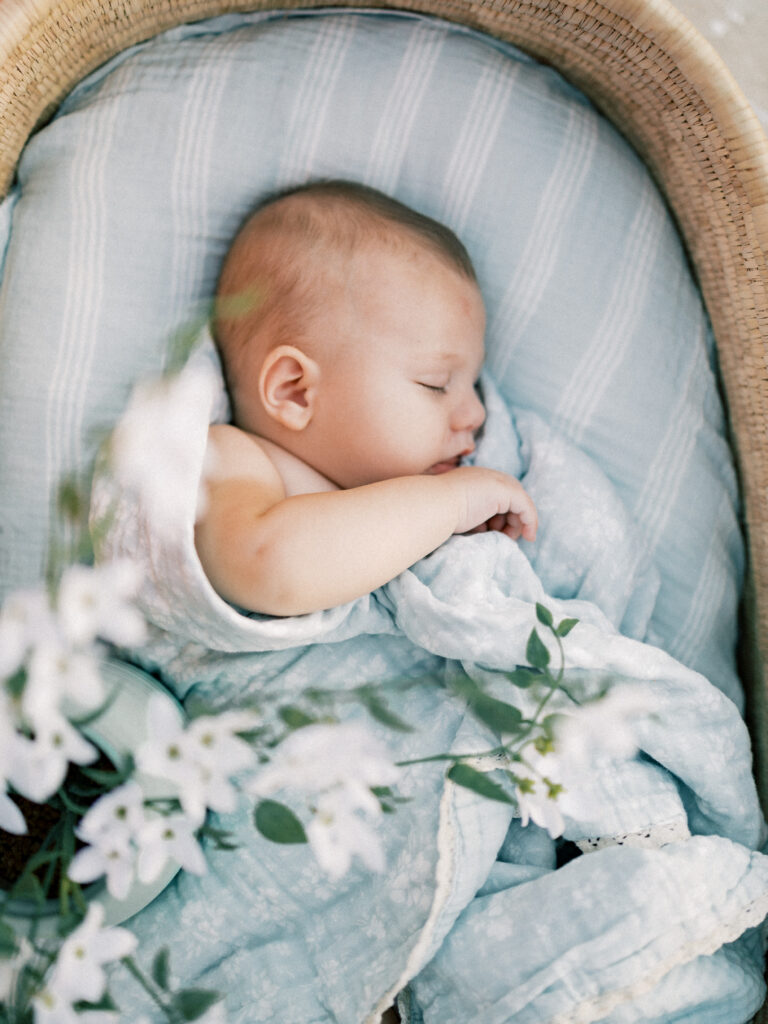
x=236, y=455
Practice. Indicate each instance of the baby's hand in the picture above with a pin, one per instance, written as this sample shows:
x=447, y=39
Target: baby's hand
x=489, y=500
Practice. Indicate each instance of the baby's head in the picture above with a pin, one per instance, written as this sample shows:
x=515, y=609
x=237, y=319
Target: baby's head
x=351, y=333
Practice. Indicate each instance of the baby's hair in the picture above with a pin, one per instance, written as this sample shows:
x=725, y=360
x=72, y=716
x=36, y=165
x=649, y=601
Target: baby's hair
x=281, y=263
x=357, y=208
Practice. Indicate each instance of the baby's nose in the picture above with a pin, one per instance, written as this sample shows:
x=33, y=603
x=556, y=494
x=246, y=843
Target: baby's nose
x=470, y=415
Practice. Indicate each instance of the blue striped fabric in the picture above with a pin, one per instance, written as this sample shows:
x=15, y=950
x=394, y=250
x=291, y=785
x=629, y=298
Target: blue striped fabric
x=127, y=200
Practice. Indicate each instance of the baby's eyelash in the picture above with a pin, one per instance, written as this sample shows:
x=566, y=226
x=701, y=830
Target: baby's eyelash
x=441, y=390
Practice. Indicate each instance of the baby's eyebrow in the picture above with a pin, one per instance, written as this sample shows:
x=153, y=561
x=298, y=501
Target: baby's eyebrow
x=445, y=355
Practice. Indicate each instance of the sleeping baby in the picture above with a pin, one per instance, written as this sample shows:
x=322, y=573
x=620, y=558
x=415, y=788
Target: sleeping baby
x=351, y=334
x=351, y=331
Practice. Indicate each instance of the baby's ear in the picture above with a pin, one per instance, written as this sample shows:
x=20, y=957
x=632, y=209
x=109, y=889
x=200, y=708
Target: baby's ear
x=288, y=385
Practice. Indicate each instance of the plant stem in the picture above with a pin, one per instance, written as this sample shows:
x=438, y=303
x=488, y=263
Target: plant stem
x=134, y=969
x=502, y=749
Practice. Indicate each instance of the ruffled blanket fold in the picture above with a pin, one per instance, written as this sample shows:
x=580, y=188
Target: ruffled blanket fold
x=471, y=919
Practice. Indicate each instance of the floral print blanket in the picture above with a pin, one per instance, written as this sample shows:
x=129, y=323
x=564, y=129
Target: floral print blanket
x=640, y=899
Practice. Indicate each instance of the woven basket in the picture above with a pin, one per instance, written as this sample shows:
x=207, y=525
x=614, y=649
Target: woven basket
x=648, y=70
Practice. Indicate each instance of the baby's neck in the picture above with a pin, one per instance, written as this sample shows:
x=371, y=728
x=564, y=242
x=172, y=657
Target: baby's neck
x=298, y=477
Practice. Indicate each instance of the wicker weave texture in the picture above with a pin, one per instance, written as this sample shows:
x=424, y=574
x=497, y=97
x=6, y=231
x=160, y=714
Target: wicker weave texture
x=646, y=67
x=648, y=70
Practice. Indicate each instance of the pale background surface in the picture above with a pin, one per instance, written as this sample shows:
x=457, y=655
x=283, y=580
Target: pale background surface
x=738, y=30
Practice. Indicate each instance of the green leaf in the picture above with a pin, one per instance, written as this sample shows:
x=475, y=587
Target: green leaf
x=499, y=715
x=66, y=923
x=219, y=836
x=478, y=782
x=524, y=677
x=253, y=736
x=278, y=823
x=544, y=615
x=70, y=500
x=379, y=710
x=192, y=1003
x=71, y=805
x=105, y=1003
x=566, y=626
x=294, y=717
x=8, y=946
x=42, y=857
x=15, y=684
x=161, y=968
x=536, y=652
x=464, y=687
x=28, y=887
x=106, y=779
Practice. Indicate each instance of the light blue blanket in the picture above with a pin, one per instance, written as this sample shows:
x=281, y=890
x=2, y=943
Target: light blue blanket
x=471, y=920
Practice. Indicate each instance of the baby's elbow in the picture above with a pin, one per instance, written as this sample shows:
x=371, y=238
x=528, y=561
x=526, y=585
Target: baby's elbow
x=261, y=581
x=276, y=597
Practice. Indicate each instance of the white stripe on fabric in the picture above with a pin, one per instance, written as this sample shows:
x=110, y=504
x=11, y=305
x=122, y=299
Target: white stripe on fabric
x=402, y=104
x=199, y=121
x=658, y=494
x=541, y=253
x=475, y=142
x=312, y=96
x=708, y=597
x=616, y=332
x=78, y=340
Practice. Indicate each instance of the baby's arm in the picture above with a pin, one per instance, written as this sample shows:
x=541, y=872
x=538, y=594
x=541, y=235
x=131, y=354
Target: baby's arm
x=290, y=555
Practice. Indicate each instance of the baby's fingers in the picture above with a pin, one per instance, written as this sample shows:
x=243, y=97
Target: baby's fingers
x=497, y=522
x=527, y=519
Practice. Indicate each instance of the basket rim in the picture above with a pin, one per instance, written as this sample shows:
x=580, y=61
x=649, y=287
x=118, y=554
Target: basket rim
x=643, y=64
x=23, y=24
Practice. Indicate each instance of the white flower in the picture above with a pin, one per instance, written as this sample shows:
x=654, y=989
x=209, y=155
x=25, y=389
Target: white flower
x=217, y=753
x=110, y=827
x=10, y=968
x=604, y=727
x=26, y=619
x=151, y=450
x=336, y=834
x=113, y=856
x=11, y=818
x=213, y=740
x=539, y=803
x=125, y=842
x=78, y=972
x=119, y=813
x=341, y=763
x=41, y=764
x=163, y=753
x=56, y=673
x=198, y=759
x=319, y=757
x=167, y=837
x=52, y=1007
x=96, y=602
x=584, y=738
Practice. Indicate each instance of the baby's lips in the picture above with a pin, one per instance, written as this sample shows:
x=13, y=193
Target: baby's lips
x=443, y=467
x=453, y=463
